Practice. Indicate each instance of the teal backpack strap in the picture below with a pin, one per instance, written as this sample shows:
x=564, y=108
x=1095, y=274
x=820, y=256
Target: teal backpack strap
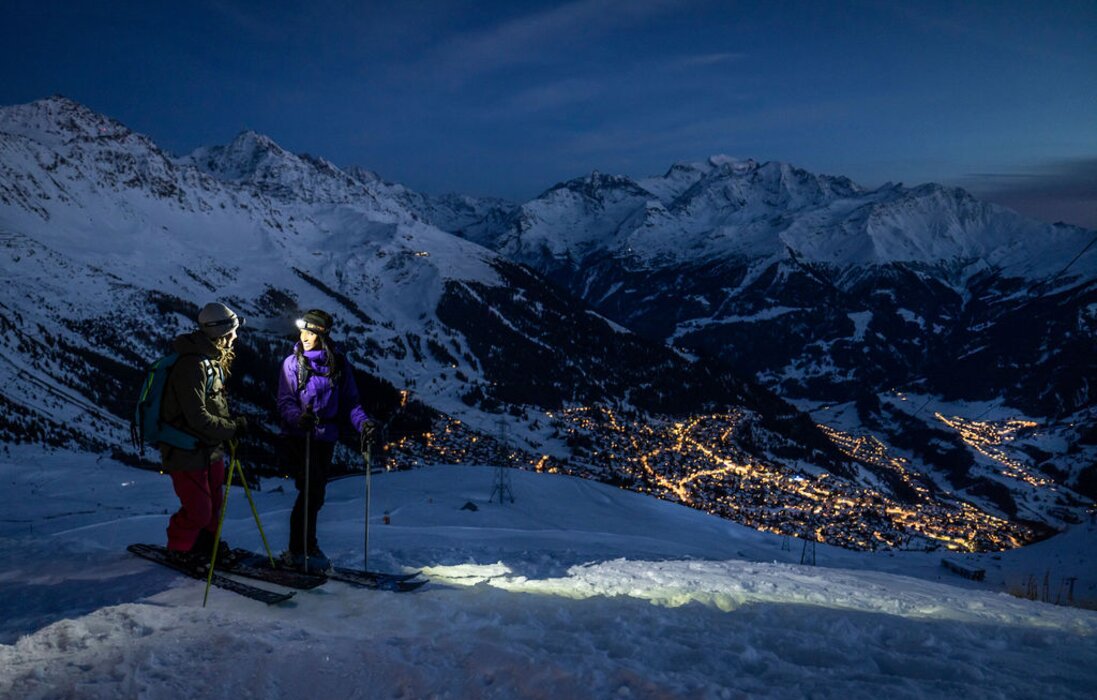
x=214, y=372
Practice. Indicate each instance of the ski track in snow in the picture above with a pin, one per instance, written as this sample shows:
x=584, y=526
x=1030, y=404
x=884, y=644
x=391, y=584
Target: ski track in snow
x=576, y=590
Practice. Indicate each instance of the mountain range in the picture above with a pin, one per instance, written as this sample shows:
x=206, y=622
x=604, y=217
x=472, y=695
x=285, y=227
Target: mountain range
x=811, y=313
x=837, y=296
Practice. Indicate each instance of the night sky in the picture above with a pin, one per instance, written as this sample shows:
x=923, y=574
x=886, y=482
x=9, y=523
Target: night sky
x=508, y=98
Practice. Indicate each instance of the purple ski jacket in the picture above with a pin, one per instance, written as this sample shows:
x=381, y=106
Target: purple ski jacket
x=328, y=402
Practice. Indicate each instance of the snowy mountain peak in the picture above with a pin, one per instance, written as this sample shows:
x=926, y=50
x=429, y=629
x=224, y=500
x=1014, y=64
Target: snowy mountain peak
x=572, y=219
x=58, y=120
x=732, y=163
x=258, y=161
x=85, y=155
x=755, y=189
x=246, y=157
x=696, y=169
x=600, y=186
x=362, y=175
x=794, y=182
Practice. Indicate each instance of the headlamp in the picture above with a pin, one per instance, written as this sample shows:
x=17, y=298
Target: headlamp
x=233, y=321
x=304, y=325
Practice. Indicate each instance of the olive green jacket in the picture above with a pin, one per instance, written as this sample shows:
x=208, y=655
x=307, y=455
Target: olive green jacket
x=188, y=405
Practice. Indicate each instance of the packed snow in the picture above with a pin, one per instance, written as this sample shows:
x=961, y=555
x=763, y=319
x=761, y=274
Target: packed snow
x=576, y=589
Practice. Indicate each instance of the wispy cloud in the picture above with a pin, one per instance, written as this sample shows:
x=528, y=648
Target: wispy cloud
x=682, y=132
x=983, y=25
x=533, y=37
x=552, y=96
x=706, y=60
x=257, y=23
x=1060, y=190
x=617, y=85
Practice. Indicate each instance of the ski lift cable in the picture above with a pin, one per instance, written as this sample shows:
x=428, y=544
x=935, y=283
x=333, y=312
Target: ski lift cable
x=1060, y=273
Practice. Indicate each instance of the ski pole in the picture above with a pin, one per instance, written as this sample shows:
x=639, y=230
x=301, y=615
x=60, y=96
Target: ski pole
x=368, y=454
x=220, y=524
x=307, y=505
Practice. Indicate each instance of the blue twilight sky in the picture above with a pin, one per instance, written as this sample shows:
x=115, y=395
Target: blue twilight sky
x=508, y=98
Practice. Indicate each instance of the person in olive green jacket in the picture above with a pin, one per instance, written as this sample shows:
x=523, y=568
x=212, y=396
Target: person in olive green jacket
x=194, y=401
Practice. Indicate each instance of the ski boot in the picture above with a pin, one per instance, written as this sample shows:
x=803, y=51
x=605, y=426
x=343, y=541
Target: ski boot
x=225, y=555
x=192, y=560
x=292, y=560
x=318, y=561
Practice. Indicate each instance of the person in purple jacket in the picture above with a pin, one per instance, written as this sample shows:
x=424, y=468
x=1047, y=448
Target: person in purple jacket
x=316, y=389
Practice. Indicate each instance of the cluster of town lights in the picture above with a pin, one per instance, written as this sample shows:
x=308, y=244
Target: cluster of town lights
x=698, y=462
x=987, y=438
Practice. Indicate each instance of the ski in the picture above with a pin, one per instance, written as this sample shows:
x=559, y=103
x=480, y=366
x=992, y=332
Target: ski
x=159, y=554
x=401, y=583
x=243, y=562
x=376, y=575
x=257, y=566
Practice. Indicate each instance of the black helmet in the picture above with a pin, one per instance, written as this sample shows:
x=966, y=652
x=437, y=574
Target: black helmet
x=316, y=321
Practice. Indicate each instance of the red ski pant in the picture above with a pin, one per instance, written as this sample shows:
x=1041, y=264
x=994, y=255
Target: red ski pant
x=200, y=493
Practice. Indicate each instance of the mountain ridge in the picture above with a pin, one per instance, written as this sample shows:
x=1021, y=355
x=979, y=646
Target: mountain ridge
x=733, y=208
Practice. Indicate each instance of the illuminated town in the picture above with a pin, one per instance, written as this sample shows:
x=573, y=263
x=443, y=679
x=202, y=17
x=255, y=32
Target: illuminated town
x=697, y=462
x=987, y=437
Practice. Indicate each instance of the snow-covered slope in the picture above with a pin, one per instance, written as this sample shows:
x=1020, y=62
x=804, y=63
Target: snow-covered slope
x=575, y=590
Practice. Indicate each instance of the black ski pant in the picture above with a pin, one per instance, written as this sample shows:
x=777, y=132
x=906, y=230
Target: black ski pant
x=319, y=466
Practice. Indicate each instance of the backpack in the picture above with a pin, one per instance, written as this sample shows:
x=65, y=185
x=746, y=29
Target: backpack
x=148, y=425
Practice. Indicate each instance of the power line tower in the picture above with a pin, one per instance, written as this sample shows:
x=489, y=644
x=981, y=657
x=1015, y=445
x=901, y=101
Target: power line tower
x=807, y=556
x=501, y=481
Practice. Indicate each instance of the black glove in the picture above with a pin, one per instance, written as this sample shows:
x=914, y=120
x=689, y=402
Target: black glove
x=307, y=421
x=241, y=427
x=370, y=429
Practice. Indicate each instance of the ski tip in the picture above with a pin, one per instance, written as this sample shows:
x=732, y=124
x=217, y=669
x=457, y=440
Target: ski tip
x=409, y=586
